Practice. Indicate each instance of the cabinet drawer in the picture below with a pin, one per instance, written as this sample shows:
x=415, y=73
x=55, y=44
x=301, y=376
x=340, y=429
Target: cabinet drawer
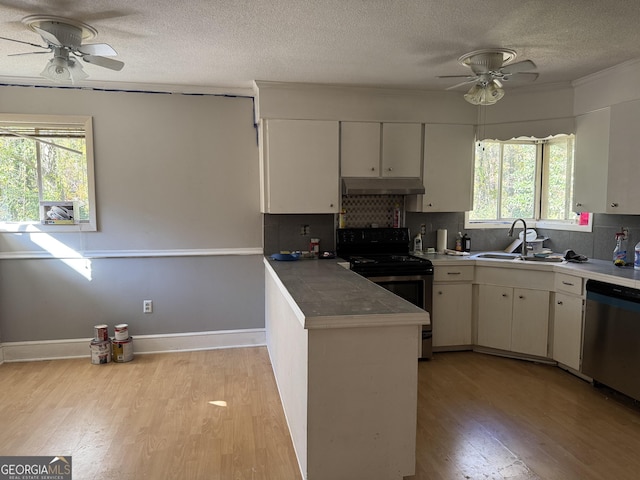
x=453, y=273
x=568, y=284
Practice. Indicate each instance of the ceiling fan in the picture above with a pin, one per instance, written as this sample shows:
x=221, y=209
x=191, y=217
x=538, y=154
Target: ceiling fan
x=491, y=67
x=64, y=38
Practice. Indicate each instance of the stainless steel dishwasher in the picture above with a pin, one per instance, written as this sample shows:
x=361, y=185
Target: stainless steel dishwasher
x=611, y=348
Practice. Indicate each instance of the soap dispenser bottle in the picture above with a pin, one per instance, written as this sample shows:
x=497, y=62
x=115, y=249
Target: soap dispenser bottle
x=417, y=243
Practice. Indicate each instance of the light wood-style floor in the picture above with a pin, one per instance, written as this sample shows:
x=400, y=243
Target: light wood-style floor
x=162, y=417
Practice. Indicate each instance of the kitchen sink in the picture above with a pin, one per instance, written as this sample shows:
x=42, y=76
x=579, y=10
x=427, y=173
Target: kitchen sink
x=543, y=259
x=517, y=256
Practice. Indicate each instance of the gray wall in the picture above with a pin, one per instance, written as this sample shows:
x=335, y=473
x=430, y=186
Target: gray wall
x=173, y=173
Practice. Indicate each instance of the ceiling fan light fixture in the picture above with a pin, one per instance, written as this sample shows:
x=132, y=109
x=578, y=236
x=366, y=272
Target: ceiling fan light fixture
x=484, y=94
x=63, y=70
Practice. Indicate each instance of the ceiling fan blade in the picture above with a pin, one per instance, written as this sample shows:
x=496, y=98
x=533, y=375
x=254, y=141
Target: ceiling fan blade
x=518, y=67
x=48, y=37
x=26, y=43
x=525, y=76
x=26, y=53
x=104, y=62
x=473, y=80
x=456, y=76
x=101, y=49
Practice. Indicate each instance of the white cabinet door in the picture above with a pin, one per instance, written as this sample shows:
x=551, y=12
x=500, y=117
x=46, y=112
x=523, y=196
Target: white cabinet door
x=495, y=306
x=623, y=194
x=300, y=166
x=451, y=319
x=591, y=161
x=360, y=149
x=448, y=170
x=530, y=325
x=401, y=149
x=567, y=329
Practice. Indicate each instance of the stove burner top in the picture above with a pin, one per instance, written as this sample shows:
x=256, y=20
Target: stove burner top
x=380, y=252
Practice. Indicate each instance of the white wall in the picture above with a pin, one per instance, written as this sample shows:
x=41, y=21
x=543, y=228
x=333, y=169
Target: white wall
x=175, y=175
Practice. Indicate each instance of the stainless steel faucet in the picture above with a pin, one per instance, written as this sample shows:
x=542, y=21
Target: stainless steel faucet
x=524, y=234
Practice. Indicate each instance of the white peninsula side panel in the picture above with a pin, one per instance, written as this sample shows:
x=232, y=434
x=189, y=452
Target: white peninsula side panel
x=347, y=379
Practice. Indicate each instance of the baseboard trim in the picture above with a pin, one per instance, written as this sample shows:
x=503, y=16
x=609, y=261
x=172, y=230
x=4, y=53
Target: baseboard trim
x=142, y=344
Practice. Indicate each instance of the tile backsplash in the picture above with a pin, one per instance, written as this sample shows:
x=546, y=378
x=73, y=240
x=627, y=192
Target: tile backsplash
x=367, y=210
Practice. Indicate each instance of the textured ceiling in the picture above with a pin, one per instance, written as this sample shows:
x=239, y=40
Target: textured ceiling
x=387, y=43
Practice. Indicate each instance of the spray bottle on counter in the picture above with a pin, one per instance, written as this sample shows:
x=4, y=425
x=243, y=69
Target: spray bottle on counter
x=636, y=260
x=620, y=252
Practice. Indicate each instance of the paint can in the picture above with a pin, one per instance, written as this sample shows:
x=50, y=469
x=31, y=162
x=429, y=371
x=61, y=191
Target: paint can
x=101, y=333
x=100, y=351
x=122, y=350
x=121, y=331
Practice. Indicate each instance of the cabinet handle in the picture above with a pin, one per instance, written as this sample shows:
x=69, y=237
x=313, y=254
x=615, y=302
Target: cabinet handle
x=505, y=295
x=331, y=205
x=373, y=169
x=440, y=293
x=614, y=204
x=520, y=296
x=430, y=205
x=559, y=302
x=454, y=273
x=578, y=204
x=567, y=283
x=390, y=169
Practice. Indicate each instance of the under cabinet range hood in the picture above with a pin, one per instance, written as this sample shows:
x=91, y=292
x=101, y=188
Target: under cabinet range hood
x=381, y=186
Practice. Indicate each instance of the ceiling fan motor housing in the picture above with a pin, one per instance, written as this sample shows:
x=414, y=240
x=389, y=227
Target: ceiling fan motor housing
x=69, y=35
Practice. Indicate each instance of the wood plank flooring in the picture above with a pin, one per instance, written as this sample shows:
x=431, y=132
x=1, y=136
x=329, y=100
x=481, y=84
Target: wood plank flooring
x=486, y=417
x=480, y=417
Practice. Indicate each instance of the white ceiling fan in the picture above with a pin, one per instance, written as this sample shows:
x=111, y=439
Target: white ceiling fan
x=64, y=38
x=491, y=67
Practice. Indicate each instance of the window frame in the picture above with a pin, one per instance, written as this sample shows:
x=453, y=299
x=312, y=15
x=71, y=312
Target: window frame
x=86, y=122
x=541, y=177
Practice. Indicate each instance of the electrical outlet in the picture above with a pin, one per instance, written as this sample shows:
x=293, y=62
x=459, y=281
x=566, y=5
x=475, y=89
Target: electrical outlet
x=147, y=306
x=423, y=229
x=305, y=230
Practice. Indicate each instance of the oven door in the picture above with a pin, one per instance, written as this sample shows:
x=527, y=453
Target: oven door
x=416, y=289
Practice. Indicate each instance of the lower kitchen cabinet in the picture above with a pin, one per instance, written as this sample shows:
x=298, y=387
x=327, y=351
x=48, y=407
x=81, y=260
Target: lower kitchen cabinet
x=568, y=308
x=451, y=319
x=567, y=329
x=513, y=319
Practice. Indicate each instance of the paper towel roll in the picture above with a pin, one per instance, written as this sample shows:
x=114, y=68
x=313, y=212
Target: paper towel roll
x=441, y=243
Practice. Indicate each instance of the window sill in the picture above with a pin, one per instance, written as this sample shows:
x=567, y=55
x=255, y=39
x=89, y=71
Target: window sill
x=36, y=227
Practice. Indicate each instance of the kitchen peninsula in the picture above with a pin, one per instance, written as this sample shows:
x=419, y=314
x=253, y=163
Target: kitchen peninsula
x=344, y=353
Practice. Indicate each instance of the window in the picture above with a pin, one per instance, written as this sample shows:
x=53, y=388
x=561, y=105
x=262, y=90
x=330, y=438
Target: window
x=530, y=179
x=45, y=161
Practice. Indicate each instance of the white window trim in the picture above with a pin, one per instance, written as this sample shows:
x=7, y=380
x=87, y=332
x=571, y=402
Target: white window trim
x=546, y=224
x=34, y=227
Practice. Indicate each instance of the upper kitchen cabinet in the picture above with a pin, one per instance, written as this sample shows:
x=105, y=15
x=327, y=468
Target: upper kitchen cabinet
x=591, y=161
x=300, y=166
x=606, y=158
x=370, y=149
x=401, y=149
x=623, y=194
x=448, y=170
x=360, y=149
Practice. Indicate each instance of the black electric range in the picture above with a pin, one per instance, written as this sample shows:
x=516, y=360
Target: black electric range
x=382, y=256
